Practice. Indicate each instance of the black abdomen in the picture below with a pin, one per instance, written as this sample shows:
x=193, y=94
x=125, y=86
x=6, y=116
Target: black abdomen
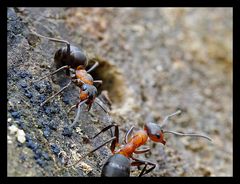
x=74, y=59
x=116, y=166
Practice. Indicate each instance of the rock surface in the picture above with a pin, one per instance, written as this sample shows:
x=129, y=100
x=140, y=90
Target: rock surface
x=153, y=61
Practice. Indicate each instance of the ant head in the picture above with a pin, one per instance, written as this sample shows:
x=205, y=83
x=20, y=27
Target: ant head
x=88, y=92
x=155, y=132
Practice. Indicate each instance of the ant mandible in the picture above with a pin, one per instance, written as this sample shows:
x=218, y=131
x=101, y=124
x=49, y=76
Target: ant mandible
x=118, y=165
x=73, y=59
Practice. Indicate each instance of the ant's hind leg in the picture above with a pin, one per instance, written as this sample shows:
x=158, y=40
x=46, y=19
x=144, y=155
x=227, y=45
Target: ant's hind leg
x=58, y=70
x=116, y=134
x=144, y=171
x=72, y=107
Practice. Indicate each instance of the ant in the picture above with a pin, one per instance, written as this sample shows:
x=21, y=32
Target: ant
x=118, y=165
x=73, y=59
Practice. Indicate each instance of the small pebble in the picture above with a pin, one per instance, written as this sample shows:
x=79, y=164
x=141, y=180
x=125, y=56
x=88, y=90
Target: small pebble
x=9, y=140
x=21, y=136
x=13, y=129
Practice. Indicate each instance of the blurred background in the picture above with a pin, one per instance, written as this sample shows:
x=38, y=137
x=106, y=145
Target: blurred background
x=154, y=61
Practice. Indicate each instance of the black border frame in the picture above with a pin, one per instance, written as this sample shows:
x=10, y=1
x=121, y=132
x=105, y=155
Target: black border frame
x=134, y=3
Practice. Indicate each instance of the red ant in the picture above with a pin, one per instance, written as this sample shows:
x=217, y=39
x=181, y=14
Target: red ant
x=73, y=59
x=118, y=165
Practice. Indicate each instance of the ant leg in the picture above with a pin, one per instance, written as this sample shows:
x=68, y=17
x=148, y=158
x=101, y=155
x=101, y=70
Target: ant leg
x=78, y=114
x=112, y=139
x=138, y=162
x=99, y=82
x=127, y=134
x=97, y=100
x=56, y=94
x=116, y=134
x=141, y=151
x=58, y=70
x=71, y=108
x=93, y=67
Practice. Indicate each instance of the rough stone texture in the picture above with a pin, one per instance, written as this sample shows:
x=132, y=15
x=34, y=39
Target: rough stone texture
x=153, y=61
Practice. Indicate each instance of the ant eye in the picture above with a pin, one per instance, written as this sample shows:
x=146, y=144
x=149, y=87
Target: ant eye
x=84, y=87
x=158, y=136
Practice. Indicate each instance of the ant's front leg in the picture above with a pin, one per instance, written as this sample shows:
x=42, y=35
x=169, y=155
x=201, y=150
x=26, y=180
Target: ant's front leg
x=128, y=135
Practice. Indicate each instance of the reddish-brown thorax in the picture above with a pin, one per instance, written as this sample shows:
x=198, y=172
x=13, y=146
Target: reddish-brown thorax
x=82, y=74
x=137, y=140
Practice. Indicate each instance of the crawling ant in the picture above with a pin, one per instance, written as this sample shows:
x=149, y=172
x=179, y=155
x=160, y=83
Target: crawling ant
x=118, y=165
x=74, y=60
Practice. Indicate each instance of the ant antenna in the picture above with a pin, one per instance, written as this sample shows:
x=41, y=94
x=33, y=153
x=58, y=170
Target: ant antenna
x=188, y=134
x=167, y=117
x=54, y=39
